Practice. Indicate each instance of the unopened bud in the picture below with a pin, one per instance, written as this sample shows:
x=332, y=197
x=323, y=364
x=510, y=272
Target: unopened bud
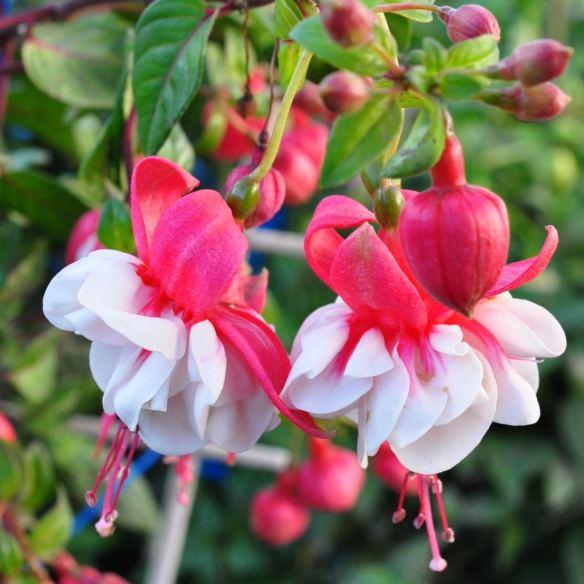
x=387, y=205
x=529, y=104
x=308, y=98
x=534, y=63
x=243, y=197
x=468, y=22
x=343, y=92
x=348, y=22
x=246, y=105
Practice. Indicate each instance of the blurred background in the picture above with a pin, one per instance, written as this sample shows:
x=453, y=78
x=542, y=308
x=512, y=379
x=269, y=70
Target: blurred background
x=516, y=503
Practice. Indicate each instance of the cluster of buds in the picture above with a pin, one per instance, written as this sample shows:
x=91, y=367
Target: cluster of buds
x=330, y=480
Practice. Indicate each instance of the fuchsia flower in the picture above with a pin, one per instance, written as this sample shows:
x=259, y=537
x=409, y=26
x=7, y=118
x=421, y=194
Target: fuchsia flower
x=407, y=369
x=181, y=357
x=7, y=431
x=331, y=478
x=278, y=515
x=83, y=239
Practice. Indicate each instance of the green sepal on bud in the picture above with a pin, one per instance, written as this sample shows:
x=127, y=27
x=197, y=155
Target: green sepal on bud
x=388, y=203
x=243, y=197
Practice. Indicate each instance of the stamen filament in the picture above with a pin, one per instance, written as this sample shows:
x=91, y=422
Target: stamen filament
x=438, y=563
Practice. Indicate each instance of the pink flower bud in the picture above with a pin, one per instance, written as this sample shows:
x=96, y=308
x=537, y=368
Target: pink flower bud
x=535, y=62
x=468, y=22
x=391, y=471
x=348, y=22
x=272, y=190
x=278, y=516
x=83, y=239
x=331, y=479
x=7, y=431
x=308, y=99
x=455, y=235
x=344, y=92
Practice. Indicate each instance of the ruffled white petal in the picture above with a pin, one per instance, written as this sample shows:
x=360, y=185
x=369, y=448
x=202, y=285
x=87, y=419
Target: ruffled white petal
x=523, y=329
x=370, y=356
x=208, y=355
x=442, y=447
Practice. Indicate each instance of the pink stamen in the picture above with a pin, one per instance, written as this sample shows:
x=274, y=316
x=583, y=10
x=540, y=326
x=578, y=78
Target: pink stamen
x=400, y=513
x=447, y=534
x=185, y=474
x=105, y=424
x=437, y=563
x=230, y=459
x=420, y=518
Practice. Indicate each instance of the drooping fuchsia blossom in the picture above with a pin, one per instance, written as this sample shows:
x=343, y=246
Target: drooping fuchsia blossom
x=178, y=348
x=83, y=239
x=407, y=369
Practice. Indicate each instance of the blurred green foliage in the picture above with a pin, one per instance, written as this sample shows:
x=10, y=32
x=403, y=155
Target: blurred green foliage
x=516, y=503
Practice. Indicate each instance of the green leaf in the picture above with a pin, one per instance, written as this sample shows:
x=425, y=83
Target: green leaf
x=401, y=29
x=178, y=149
x=35, y=373
x=42, y=199
x=53, y=530
x=11, y=558
x=11, y=471
x=357, y=139
x=417, y=15
x=288, y=57
x=115, y=227
x=77, y=62
x=434, y=55
x=287, y=16
x=138, y=509
x=473, y=53
x=169, y=56
x=311, y=34
x=461, y=86
x=422, y=148
x=39, y=477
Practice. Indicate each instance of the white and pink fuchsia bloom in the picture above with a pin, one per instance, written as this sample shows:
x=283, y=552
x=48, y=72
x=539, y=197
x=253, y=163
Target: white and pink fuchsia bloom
x=405, y=368
x=178, y=347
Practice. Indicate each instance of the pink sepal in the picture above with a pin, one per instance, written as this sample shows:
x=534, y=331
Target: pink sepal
x=248, y=290
x=156, y=184
x=519, y=273
x=196, y=251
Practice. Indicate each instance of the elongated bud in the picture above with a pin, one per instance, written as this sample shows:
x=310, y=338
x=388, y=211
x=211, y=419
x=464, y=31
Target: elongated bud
x=83, y=239
x=278, y=516
x=331, y=479
x=535, y=62
x=468, y=22
x=529, y=104
x=344, y=92
x=243, y=197
x=272, y=190
x=309, y=100
x=348, y=22
x=455, y=236
x=387, y=205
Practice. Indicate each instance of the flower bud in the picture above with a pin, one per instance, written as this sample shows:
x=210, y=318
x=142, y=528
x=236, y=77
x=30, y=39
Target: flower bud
x=344, y=92
x=308, y=100
x=468, y=22
x=272, y=190
x=529, y=104
x=331, y=479
x=243, y=197
x=83, y=239
x=278, y=516
x=390, y=470
x=7, y=431
x=455, y=236
x=387, y=205
x=348, y=22
x=535, y=62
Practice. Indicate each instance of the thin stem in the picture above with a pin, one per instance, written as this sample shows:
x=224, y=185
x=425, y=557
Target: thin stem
x=273, y=145
x=402, y=6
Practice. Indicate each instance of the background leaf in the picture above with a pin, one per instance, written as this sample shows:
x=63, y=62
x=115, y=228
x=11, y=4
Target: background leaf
x=53, y=530
x=115, y=227
x=473, y=53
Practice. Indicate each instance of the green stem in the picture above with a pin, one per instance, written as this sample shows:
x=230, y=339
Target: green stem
x=402, y=6
x=273, y=145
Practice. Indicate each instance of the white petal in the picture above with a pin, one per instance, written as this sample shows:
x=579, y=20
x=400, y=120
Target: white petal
x=424, y=405
x=237, y=427
x=444, y=446
x=461, y=377
x=239, y=382
x=126, y=366
x=370, y=357
x=385, y=400
x=151, y=376
x=362, y=446
x=208, y=353
x=204, y=398
x=328, y=392
x=102, y=362
x=517, y=403
x=528, y=370
x=171, y=432
x=523, y=328
x=447, y=339
x=116, y=294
